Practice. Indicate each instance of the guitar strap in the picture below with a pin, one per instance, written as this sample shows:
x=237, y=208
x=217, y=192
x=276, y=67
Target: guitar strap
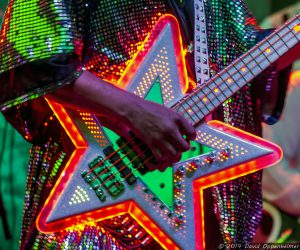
x=200, y=43
x=191, y=13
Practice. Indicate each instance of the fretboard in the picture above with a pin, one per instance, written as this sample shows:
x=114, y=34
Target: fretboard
x=203, y=100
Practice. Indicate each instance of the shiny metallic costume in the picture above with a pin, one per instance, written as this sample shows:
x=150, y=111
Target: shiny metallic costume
x=48, y=44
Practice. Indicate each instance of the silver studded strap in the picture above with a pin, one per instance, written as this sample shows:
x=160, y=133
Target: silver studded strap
x=200, y=43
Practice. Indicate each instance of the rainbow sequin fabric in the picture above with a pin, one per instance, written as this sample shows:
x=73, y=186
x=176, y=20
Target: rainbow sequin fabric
x=67, y=37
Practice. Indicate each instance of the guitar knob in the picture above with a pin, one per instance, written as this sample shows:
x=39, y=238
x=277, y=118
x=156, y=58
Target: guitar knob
x=170, y=214
x=211, y=157
x=154, y=198
x=194, y=165
x=179, y=219
x=178, y=204
x=226, y=152
x=178, y=186
x=180, y=171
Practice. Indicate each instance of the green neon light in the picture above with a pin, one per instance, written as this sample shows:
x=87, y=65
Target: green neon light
x=37, y=31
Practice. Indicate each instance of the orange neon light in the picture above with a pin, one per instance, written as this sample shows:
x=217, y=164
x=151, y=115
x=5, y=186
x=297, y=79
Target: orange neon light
x=130, y=206
x=133, y=66
x=81, y=146
x=229, y=174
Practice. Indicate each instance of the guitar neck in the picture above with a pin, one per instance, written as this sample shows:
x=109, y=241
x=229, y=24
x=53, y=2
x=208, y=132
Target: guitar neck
x=203, y=100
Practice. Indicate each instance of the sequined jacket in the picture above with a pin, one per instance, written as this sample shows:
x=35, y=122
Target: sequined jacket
x=53, y=42
x=47, y=44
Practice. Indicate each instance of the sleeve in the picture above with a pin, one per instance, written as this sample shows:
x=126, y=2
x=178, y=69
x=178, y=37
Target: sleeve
x=40, y=48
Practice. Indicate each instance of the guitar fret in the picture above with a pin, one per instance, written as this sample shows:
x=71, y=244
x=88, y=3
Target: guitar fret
x=224, y=78
x=208, y=94
x=276, y=43
x=248, y=74
x=275, y=51
x=266, y=57
x=234, y=75
x=198, y=109
x=255, y=53
x=205, y=90
x=289, y=39
x=193, y=105
x=224, y=87
x=240, y=66
x=295, y=38
x=294, y=35
x=283, y=45
x=280, y=46
x=262, y=59
x=216, y=96
x=211, y=87
x=188, y=114
x=242, y=80
x=252, y=65
x=257, y=63
x=179, y=109
x=287, y=34
x=203, y=104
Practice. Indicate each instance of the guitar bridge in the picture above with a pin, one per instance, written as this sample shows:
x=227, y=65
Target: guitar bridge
x=116, y=161
x=101, y=175
x=135, y=159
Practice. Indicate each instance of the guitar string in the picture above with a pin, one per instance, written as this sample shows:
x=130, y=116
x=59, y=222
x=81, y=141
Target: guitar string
x=196, y=92
x=137, y=168
x=116, y=162
x=113, y=154
x=233, y=66
x=248, y=53
x=125, y=165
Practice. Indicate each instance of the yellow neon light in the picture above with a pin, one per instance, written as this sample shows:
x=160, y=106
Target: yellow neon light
x=297, y=28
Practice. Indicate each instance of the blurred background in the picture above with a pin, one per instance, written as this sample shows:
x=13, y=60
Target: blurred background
x=281, y=221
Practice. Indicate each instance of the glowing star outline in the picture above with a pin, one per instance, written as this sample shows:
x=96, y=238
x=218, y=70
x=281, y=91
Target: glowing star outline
x=131, y=206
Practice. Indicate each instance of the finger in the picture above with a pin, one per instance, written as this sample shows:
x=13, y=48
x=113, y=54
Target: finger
x=158, y=155
x=162, y=167
x=177, y=158
x=187, y=129
x=169, y=150
x=165, y=155
x=178, y=142
x=164, y=152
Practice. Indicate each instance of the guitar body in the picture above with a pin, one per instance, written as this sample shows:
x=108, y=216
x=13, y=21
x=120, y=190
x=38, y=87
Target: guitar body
x=105, y=177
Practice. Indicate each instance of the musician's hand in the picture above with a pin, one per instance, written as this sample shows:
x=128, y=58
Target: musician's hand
x=161, y=129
